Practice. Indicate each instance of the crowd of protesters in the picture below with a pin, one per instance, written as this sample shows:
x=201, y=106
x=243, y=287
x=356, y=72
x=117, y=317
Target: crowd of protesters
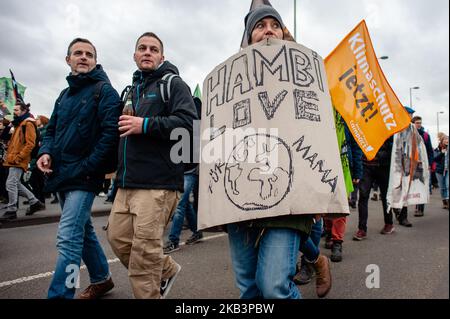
x=76, y=159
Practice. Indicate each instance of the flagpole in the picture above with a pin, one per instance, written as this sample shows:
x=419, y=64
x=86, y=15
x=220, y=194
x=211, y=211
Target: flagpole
x=295, y=20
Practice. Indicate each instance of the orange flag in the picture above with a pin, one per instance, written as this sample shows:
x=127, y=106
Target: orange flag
x=361, y=93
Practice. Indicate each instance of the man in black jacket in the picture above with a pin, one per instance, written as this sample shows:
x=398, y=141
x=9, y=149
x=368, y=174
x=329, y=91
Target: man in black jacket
x=149, y=180
x=79, y=146
x=377, y=170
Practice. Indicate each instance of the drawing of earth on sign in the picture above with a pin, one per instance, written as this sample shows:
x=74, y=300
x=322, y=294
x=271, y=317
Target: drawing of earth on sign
x=258, y=173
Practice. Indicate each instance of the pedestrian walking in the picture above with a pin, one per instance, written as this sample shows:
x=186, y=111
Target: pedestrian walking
x=79, y=148
x=149, y=181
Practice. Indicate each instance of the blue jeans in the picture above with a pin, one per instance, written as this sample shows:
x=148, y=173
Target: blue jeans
x=443, y=184
x=446, y=181
x=76, y=240
x=184, y=208
x=265, y=271
x=310, y=247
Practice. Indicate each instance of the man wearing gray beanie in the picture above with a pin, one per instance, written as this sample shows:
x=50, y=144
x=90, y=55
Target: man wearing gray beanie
x=264, y=252
x=258, y=14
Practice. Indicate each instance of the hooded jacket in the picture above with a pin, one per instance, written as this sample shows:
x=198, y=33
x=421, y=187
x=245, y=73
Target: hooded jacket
x=144, y=160
x=82, y=135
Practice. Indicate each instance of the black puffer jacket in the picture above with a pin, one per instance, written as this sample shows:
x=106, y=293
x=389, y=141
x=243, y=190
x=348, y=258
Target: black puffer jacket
x=383, y=157
x=144, y=160
x=82, y=137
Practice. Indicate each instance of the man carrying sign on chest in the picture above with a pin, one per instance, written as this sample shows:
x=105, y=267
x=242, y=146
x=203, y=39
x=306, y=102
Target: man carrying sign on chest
x=269, y=189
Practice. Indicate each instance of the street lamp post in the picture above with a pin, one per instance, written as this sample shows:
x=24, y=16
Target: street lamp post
x=410, y=95
x=437, y=115
x=295, y=20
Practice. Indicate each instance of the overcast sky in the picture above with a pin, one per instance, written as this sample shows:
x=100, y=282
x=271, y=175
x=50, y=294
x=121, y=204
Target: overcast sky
x=200, y=34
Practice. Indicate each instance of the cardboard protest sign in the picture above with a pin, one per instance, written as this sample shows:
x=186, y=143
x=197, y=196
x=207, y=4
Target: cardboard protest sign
x=269, y=144
x=361, y=93
x=410, y=176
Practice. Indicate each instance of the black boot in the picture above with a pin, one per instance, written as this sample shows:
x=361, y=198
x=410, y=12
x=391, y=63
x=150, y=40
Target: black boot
x=35, y=208
x=9, y=216
x=420, y=211
x=305, y=273
x=403, y=218
x=336, y=252
x=405, y=222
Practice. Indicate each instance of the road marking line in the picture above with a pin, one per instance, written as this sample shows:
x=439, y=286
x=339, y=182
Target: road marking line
x=50, y=273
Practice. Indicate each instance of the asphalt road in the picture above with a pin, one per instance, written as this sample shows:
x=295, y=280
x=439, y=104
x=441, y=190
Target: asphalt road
x=413, y=263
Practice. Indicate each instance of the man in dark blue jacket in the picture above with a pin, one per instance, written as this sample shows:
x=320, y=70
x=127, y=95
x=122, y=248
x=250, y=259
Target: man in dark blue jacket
x=149, y=180
x=80, y=146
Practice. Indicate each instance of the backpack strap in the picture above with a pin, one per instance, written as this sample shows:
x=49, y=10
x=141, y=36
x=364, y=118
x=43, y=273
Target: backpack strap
x=24, y=131
x=165, y=86
x=98, y=91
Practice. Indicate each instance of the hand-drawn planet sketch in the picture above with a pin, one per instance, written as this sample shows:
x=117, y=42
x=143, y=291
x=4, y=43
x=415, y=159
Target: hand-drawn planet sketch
x=259, y=172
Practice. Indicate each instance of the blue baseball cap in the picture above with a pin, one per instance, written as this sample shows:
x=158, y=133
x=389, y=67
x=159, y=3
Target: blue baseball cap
x=409, y=110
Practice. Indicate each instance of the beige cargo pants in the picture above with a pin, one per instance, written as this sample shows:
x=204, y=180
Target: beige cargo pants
x=136, y=226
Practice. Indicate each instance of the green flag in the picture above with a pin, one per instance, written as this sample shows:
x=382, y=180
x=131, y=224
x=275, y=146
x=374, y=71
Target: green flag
x=342, y=142
x=197, y=92
x=7, y=95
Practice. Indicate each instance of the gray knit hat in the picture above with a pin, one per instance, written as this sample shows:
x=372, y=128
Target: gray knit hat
x=256, y=15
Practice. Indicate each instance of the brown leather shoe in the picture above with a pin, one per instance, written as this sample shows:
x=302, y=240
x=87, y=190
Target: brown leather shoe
x=323, y=276
x=97, y=290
